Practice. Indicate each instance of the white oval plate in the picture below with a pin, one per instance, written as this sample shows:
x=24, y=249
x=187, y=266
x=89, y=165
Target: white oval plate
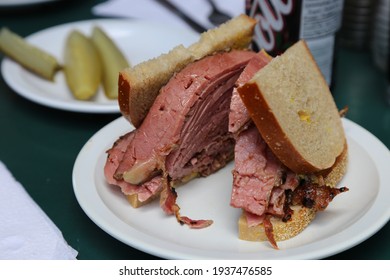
x=350, y=219
x=138, y=40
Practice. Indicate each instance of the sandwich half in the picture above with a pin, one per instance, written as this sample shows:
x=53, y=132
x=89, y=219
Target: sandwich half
x=179, y=104
x=293, y=152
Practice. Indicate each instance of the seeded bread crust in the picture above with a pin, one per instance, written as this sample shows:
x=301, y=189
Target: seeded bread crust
x=292, y=107
x=140, y=85
x=302, y=216
x=282, y=231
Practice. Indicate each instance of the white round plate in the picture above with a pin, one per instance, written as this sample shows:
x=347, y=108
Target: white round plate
x=138, y=40
x=351, y=218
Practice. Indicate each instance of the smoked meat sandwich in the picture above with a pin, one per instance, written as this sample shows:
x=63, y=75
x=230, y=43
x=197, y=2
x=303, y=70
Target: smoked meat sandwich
x=197, y=108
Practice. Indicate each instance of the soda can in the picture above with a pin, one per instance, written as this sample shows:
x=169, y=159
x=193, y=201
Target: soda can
x=281, y=23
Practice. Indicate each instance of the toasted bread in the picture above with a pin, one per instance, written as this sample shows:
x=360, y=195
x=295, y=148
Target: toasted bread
x=235, y=34
x=293, y=108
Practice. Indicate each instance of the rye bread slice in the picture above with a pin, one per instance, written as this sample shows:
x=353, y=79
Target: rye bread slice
x=293, y=108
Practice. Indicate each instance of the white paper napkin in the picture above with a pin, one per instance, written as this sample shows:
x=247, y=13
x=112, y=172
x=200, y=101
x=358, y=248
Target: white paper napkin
x=198, y=10
x=26, y=232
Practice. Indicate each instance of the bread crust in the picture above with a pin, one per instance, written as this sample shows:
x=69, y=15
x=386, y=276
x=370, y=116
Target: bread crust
x=332, y=176
x=269, y=127
x=282, y=87
x=282, y=231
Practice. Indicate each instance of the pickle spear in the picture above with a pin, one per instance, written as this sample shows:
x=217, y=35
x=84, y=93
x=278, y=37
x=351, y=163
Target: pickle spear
x=112, y=60
x=29, y=56
x=82, y=66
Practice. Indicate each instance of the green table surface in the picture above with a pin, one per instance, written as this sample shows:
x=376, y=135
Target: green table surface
x=39, y=145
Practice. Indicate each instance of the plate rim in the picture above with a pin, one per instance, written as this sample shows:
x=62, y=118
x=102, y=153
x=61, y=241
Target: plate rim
x=151, y=244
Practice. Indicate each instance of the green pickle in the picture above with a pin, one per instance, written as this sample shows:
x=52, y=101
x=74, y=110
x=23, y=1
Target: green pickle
x=112, y=60
x=82, y=66
x=27, y=55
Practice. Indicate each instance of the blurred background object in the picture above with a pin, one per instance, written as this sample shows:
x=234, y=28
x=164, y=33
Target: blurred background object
x=193, y=14
x=365, y=26
x=356, y=26
x=380, y=34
